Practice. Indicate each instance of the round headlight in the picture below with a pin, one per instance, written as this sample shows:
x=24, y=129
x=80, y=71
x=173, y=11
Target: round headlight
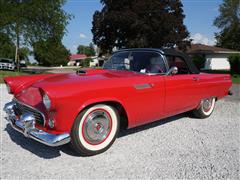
x=46, y=101
x=51, y=123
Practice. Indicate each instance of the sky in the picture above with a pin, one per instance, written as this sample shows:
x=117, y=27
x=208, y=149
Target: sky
x=200, y=15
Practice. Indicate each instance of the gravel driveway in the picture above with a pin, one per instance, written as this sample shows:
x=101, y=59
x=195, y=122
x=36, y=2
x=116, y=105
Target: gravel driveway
x=177, y=147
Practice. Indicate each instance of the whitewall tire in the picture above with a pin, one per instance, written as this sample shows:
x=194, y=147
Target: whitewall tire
x=95, y=129
x=205, y=108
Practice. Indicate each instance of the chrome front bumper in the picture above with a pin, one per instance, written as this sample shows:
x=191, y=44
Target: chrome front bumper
x=26, y=125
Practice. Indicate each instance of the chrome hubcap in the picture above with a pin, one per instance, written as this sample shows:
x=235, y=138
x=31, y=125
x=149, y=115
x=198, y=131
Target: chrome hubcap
x=207, y=104
x=96, y=127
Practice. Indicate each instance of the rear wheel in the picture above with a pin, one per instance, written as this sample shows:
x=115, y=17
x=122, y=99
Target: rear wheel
x=95, y=129
x=205, y=109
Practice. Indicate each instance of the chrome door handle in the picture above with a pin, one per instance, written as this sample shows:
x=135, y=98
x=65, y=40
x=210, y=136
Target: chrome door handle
x=143, y=86
x=196, y=78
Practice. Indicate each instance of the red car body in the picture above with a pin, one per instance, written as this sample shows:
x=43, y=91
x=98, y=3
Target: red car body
x=71, y=93
x=141, y=98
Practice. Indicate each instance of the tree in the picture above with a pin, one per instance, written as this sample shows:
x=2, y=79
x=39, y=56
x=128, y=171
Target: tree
x=24, y=52
x=139, y=23
x=229, y=23
x=29, y=21
x=7, y=47
x=51, y=52
x=87, y=50
x=86, y=62
x=234, y=61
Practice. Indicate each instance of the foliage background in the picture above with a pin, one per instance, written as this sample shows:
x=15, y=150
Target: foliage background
x=127, y=24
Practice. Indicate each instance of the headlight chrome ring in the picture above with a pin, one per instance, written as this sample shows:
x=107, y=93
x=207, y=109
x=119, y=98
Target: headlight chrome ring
x=46, y=101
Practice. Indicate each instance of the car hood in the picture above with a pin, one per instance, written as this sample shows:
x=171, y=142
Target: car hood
x=84, y=76
x=28, y=89
x=89, y=79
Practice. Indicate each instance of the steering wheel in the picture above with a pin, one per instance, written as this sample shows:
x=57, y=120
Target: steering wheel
x=154, y=67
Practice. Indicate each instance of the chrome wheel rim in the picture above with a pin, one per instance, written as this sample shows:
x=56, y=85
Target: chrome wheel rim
x=97, y=127
x=207, y=104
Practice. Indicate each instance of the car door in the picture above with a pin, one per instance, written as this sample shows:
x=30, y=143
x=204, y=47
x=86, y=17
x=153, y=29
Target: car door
x=182, y=89
x=147, y=101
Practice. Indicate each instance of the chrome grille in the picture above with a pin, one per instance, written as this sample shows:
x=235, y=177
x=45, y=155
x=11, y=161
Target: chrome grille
x=22, y=108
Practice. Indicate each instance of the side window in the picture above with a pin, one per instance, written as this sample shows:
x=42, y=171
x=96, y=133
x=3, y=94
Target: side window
x=147, y=62
x=5, y=61
x=179, y=63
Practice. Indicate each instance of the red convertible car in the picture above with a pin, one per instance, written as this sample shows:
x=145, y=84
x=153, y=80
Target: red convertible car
x=134, y=87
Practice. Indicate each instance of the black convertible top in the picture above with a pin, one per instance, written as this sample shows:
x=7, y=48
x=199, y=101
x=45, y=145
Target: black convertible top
x=169, y=52
x=188, y=60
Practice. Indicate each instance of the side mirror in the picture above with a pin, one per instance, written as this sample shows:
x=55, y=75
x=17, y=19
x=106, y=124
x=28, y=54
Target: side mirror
x=172, y=71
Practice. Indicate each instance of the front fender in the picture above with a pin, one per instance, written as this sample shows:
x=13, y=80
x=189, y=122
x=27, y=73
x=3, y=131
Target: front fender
x=99, y=100
x=66, y=114
x=18, y=83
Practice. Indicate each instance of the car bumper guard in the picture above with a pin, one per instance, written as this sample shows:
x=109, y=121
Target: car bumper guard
x=26, y=125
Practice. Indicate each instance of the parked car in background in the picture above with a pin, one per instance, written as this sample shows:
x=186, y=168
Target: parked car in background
x=87, y=108
x=23, y=63
x=7, y=64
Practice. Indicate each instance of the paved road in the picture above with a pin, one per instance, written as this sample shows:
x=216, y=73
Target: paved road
x=177, y=147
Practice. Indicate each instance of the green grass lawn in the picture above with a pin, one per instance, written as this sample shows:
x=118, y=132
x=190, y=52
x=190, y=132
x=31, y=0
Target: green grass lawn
x=236, y=79
x=10, y=73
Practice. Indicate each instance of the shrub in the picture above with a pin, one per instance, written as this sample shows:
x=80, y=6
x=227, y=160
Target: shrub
x=86, y=62
x=234, y=61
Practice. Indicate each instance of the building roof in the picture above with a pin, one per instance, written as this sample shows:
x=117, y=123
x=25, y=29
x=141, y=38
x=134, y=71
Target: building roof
x=205, y=49
x=74, y=57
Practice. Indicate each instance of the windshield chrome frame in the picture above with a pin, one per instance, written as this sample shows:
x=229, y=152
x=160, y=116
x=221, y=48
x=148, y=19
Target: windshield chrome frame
x=149, y=74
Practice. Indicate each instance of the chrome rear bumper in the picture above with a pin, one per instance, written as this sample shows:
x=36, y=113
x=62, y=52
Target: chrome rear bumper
x=26, y=125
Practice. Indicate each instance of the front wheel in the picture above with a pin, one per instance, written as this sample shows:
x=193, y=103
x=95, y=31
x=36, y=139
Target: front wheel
x=95, y=129
x=205, y=109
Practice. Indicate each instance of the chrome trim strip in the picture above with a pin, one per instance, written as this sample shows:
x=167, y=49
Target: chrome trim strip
x=44, y=118
x=142, y=86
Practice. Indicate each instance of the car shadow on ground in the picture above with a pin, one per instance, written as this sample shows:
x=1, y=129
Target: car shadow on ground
x=47, y=152
x=153, y=124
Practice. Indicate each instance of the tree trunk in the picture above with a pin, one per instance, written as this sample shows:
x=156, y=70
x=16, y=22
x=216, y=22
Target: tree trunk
x=17, y=57
x=17, y=49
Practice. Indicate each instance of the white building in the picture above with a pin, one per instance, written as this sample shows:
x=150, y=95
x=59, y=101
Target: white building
x=97, y=61
x=216, y=58
x=76, y=59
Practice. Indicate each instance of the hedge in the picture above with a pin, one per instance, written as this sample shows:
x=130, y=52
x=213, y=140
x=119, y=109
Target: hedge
x=234, y=61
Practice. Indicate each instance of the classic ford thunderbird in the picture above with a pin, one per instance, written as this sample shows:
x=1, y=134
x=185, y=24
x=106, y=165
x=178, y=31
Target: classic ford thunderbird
x=86, y=109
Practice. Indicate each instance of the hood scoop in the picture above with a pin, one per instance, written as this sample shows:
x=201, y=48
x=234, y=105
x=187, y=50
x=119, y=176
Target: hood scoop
x=81, y=72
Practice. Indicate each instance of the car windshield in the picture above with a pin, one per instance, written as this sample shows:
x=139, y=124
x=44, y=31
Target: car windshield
x=142, y=62
x=5, y=61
